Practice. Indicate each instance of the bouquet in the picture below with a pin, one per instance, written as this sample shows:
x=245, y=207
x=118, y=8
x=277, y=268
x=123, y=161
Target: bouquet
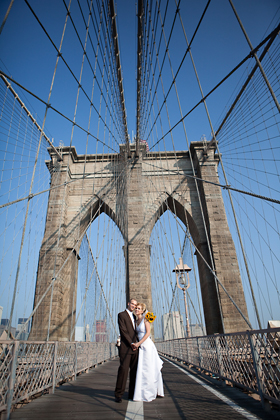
x=150, y=316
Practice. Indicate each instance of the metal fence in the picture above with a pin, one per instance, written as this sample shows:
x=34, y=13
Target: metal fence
x=28, y=368
x=248, y=359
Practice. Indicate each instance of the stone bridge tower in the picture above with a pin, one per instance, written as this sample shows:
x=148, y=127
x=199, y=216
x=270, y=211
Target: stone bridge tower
x=135, y=191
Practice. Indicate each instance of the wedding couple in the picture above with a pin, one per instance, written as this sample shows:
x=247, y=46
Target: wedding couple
x=139, y=355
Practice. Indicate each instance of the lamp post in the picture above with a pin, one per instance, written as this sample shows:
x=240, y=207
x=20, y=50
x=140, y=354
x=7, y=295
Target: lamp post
x=180, y=271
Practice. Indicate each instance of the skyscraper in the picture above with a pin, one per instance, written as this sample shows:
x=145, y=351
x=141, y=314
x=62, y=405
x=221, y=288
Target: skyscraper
x=173, y=326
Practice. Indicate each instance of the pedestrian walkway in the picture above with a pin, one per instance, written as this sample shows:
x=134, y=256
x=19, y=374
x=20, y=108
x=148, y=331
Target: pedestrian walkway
x=91, y=396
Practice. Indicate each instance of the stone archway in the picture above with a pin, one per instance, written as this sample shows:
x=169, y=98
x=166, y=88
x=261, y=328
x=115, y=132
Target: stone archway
x=158, y=175
x=132, y=190
x=72, y=206
x=207, y=281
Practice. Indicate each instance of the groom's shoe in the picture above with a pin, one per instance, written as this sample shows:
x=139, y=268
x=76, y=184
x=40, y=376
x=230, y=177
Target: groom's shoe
x=118, y=399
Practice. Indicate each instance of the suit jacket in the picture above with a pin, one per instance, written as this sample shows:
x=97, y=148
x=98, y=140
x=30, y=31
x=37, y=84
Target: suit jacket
x=128, y=333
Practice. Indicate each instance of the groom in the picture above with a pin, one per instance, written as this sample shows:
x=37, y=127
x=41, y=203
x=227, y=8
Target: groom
x=128, y=356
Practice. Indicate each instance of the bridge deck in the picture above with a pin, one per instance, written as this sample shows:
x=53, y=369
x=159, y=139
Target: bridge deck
x=91, y=396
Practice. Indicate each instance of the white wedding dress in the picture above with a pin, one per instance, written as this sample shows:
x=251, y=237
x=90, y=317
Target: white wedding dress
x=148, y=377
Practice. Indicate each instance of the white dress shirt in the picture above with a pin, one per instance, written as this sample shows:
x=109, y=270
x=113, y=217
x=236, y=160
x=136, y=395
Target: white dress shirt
x=131, y=317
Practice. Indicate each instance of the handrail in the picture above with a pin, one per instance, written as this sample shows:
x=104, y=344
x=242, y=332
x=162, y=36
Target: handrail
x=29, y=367
x=248, y=359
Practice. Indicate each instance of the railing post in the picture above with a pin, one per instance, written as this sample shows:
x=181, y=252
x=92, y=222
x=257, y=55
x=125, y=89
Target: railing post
x=219, y=356
x=12, y=378
x=87, y=370
x=198, y=352
x=54, y=367
x=257, y=365
x=90, y=354
x=96, y=353
x=76, y=360
x=180, y=350
x=187, y=349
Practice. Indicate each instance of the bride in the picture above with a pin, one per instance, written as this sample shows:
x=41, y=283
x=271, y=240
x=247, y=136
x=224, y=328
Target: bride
x=148, y=383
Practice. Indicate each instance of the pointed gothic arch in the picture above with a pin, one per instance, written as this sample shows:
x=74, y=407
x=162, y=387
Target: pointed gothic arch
x=124, y=187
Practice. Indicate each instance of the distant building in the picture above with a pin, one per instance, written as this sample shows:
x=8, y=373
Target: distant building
x=3, y=332
x=21, y=331
x=22, y=321
x=273, y=323
x=79, y=334
x=101, y=335
x=4, y=327
x=196, y=330
x=1, y=311
x=82, y=334
x=88, y=334
x=173, y=326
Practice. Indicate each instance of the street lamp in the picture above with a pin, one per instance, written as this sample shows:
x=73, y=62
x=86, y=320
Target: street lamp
x=180, y=271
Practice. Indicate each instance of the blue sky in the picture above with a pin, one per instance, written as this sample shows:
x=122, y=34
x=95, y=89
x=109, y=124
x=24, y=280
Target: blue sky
x=29, y=58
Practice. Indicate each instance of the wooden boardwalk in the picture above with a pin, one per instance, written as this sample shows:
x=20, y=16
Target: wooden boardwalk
x=91, y=396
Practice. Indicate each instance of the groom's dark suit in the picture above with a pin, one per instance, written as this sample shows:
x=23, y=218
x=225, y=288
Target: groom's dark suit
x=128, y=357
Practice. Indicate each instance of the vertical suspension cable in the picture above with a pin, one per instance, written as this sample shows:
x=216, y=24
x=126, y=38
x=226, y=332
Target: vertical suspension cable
x=31, y=187
x=229, y=193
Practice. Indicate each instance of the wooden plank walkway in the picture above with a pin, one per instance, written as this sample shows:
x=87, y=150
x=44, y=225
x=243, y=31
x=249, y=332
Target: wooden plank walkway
x=91, y=396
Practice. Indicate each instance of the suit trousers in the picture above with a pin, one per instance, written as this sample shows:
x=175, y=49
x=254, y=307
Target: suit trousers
x=128, y=361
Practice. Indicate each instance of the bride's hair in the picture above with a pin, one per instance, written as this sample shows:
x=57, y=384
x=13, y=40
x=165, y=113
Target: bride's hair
x=143, y=306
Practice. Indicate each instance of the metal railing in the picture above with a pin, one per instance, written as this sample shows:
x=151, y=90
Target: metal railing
x=28, y=367
x=249, y=359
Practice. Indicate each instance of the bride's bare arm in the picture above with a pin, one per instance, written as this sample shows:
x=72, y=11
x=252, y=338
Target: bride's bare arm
x=148, y=331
